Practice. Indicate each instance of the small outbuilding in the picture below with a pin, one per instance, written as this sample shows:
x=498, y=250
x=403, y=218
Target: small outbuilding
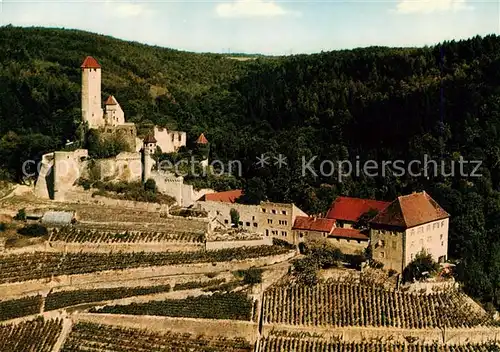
x=58, y=218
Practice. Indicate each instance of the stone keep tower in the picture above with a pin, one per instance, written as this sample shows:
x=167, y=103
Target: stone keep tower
x=148, y=149
x=91, y=93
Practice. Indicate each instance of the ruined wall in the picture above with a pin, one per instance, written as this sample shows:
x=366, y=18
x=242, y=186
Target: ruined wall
x=184, y=194
x=67, y=167
x=388, y=248
x=127, y=132
x=44, y=186
x=125, y=167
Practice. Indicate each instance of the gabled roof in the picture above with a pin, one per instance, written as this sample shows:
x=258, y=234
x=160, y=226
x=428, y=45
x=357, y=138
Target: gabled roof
x=202, y=139
x=90, y=62
x=348, y=233
x=111, y=101
x=350, y=209
x=149, y=139
x=227, y=196
x=410, y=210
x=313, y=224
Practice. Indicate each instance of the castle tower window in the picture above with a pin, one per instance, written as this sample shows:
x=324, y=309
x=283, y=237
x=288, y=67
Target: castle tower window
x=179, y=137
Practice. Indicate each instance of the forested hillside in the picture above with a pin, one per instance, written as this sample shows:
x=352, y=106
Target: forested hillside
x=375, y=103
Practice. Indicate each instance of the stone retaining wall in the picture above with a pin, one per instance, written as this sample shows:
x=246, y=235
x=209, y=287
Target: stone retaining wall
x=383, y=334
x=213, y=245
x=75, y=247
x=195, y=327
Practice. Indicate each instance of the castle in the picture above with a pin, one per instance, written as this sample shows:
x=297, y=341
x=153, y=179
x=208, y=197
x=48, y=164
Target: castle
x=60, y=170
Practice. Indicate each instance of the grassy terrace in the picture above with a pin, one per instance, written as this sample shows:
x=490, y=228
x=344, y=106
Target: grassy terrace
x=39, y=265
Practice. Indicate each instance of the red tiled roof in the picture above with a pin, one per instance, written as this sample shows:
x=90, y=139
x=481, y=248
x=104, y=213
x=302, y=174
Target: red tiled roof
x=410, y=210
x=202, y=139
x=90, y=62
x=350, y=209
x=313, y=224
x=149, y=139
x=227, y=196
x=348, y=233
x=111, y=101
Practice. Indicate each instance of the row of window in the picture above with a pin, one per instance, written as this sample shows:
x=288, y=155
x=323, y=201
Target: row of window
x=226, y=221
x=274, y=211
x=427, y=228
x=276, y=232
x=179, y=138
x=429, y=239
x=281, y=222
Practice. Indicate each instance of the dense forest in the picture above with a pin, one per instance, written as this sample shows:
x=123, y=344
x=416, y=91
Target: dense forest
x=371, y=104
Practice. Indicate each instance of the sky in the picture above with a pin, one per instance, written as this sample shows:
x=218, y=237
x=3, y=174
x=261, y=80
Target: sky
x=265, y=26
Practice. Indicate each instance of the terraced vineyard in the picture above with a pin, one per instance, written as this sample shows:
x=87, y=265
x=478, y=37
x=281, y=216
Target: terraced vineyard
x=93, y=337
x=235, y=306
x=36, y=335
x=40, y=265
x=16, y=308
x=284, y=344
x=80, y=235
x=343, y=304
x=69, y=298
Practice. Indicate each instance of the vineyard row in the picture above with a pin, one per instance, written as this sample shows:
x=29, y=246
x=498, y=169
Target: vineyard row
x=235, y=306
x=78, y=235
x=40, y=265
x=346, y=304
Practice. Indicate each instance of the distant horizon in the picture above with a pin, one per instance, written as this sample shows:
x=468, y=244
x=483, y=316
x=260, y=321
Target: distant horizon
x=265, y=27
x=249, y=54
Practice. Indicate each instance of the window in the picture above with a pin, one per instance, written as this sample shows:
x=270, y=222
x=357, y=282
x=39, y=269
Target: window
x=179, y=137
x=269, y=221
x=442, y=223
x=412, y=244
x=240, y=223
x=263, y=210
x=282, y=222
x=254, y=224
x=429, y=238
x=172, y=138
x=226, y=221
x=273, y=211
x=428, y=227
x=359, y=241
x=382, y=254
x=267, y=232
x=441, y=236
x=381, y=243
x=247, y=223
x=283, y=212
x=442, y=243
x=412, y=232
x=437, y=225
x=283, y=233
x=394, y=244
x=253, y=217
x=301, y=234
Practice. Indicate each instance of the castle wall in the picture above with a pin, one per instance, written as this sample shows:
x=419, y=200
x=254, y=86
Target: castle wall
x=126, y=132
x=184, y=194
x=169, y=141
x=44, y=187
x=66, y=169
x=125, y=167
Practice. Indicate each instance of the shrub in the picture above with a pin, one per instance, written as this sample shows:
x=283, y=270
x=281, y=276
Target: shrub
x=33, y=230
x=21, y=214
x=423, y=263
x=150, y=186
x=3, y=227
x=252, y=276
